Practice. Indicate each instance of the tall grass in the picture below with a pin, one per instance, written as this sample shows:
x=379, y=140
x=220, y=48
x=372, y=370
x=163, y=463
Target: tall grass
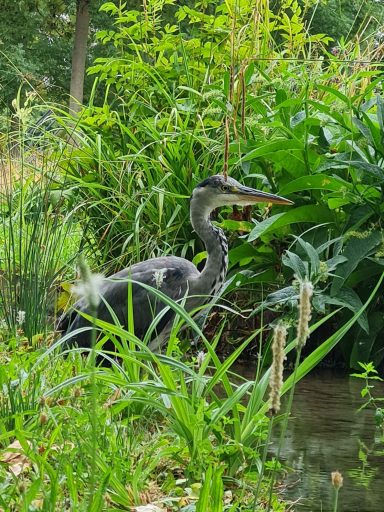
x=39, y=234
x=175, y=429
x=145, y=429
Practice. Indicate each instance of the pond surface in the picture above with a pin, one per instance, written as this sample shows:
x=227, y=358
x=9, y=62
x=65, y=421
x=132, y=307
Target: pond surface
x=326, y=434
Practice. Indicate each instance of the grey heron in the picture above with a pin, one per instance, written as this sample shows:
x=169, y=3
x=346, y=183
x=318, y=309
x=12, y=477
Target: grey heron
x=176, y=277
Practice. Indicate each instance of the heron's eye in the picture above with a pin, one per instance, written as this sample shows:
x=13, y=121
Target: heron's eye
x=225, y=188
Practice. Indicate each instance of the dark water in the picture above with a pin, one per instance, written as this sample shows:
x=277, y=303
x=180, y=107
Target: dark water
x=327, y=434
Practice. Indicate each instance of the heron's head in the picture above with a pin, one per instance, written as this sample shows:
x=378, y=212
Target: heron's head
x=217, y=191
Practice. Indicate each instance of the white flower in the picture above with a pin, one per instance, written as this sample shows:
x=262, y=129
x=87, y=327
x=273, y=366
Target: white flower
x=159, y=276
x=20, y=317
x=200, y=358
x=89, y=289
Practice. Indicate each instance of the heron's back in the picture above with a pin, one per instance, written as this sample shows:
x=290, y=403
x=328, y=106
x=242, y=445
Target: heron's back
x=170, y=274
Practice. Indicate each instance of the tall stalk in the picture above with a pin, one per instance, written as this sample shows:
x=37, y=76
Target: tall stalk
x=36, y=232
x=303, y=332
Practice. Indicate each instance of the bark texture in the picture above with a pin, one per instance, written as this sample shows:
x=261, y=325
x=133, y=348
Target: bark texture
x=79, y=55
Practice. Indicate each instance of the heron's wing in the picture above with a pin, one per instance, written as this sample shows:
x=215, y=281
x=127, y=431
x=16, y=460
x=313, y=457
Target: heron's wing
x=170, y=275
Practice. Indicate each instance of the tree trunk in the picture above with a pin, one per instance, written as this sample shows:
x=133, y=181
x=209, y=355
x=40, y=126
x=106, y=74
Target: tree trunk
x=79, y=55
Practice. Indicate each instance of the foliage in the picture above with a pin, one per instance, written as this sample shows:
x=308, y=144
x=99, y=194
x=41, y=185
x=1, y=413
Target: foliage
x=370, y=375
x=157, y=435
x=347, y=203
x=191, y=89
x=163, y=117
x=34, y=55
x=36, y=46
x=177, y=104
x=191, y=94
x=342, y=19
x=39, y=236
x=148, y=428
x=374, y=402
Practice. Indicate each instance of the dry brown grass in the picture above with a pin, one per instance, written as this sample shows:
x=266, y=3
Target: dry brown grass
x=13, y=171
x=10, y=171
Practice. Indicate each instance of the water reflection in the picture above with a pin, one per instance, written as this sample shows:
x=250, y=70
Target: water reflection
x=327, y=434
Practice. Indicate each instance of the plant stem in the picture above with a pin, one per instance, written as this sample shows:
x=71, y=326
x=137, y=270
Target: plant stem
x=93, y=311
x=284, y=427
x=336, y=500
x=264, y=458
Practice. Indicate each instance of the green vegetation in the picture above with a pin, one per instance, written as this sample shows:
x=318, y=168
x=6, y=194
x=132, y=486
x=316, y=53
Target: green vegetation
x=184, y=91
x=370, y=375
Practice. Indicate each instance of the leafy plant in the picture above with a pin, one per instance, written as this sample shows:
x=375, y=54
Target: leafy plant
x=370, y=375
x=185, y=93
x=343, y=250
x=39, y=235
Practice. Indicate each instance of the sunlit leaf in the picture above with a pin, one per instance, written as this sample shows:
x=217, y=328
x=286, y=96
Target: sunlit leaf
x=311, y=214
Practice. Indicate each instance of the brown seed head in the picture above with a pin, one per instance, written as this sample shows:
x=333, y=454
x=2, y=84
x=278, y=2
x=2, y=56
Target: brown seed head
x=77, y=391
x=305, y=308
x=43, y=418
x=22, y=487
x=45, y=401
x=337, y=479
x=277, y=368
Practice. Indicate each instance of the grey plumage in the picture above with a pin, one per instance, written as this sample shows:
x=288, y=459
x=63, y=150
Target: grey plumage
x=176, y=277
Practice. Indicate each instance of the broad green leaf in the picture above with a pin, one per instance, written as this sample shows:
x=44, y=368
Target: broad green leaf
x=364, y=130
x=281, y=296
x=371, y=267
x=349, y=299
x=373, y=170
x=380, y=113
x=246, y=277
x=236, y=225
x=370, y=169
x=337, y=202
x=293, y=261
x=313, y=359
x=332, y=263
x=217, y=489
x=189, y=89
x=204, y=501
x=298, y=118
x=109, y=7
x=263, y=226
x=281, y=97
x=356, y=249
x=272, y=147
x=199, y=257
x=328, y=111
x=248, y=74
x=312, y=213
x=336, y=92
x=244, y=253
x=364, y=342
x=312, y=255
x=312, y=182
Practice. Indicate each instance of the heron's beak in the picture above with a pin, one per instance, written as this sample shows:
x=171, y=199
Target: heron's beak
x=252, y=195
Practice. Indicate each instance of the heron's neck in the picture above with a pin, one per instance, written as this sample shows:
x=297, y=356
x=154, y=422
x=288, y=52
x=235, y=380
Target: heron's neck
x=213, y=275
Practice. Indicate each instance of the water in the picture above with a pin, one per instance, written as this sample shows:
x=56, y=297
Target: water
x=327, y=434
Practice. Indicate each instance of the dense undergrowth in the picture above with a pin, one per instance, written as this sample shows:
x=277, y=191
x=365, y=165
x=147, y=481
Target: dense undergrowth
x=235, y=88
